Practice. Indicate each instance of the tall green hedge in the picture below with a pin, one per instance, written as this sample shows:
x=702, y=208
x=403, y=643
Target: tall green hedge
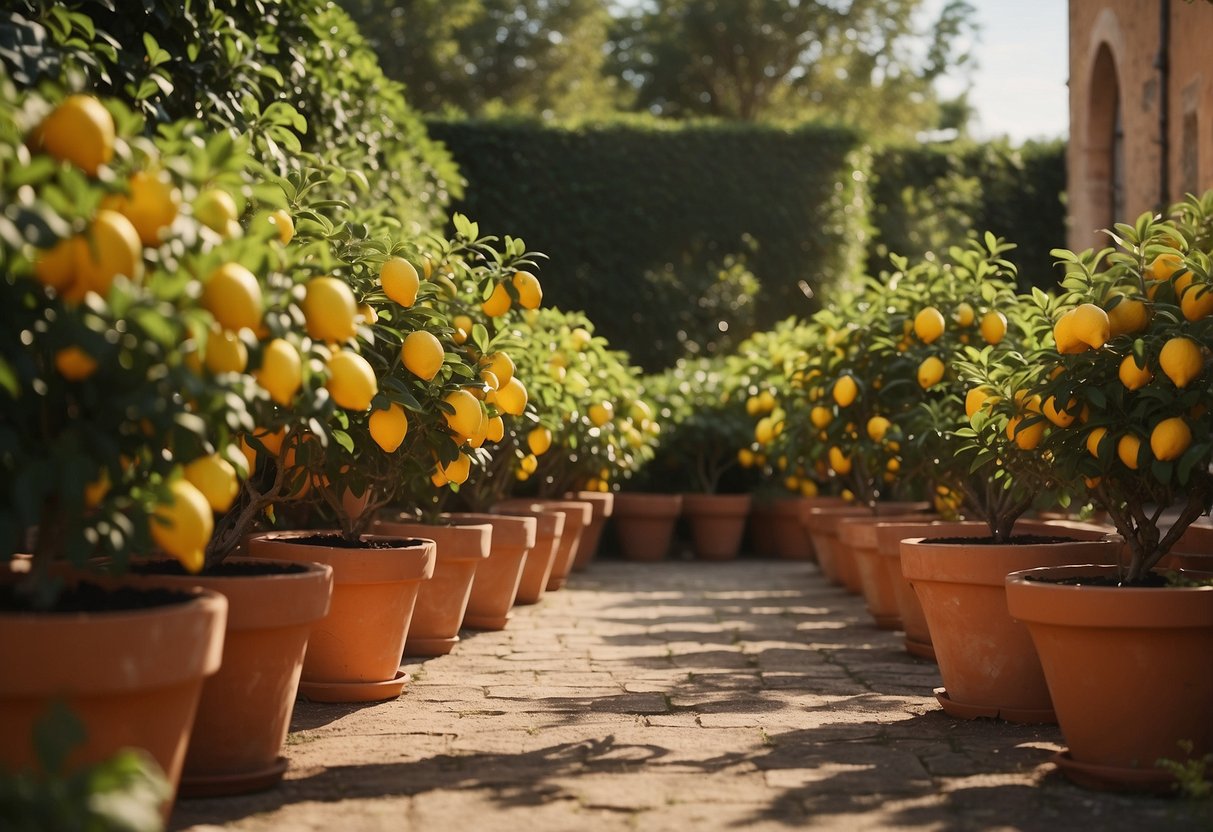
x=655, y=232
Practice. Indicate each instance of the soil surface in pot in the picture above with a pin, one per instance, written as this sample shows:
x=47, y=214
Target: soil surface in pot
x=86, y=597
x=223, y=569
x=336, y=541
x=1013, y=540
x=1151, y=581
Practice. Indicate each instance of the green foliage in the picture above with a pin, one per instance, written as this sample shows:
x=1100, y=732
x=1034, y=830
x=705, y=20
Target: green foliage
x=658, y=229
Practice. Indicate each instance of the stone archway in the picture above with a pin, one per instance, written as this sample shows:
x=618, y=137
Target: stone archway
x=1104, y=145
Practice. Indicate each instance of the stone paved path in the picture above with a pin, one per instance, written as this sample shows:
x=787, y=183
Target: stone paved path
x=676, y=696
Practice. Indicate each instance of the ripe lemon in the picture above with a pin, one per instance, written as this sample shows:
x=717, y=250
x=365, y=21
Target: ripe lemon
x=112, y=248
x=820, y=416
x=1094, y=438
x=456, y=472
x=530, y=293
x=151, y=204
x=182, y=526
x=281, y=372
x=1062, y=417
x=422, y=354
x=845, y=391
x=928, y=324
x=1181, y=361
x=993, y=326
x=745, y=458
x=498, y=303
x=467, y=415
x=1164, y=266
x=233, y=296
x=977, y=397
x=529, y=463
x=878, y=426
x=74, y=364
x=964, y=314
x=56, y=266
x=329, y=309
x=1170, y=438
x=225, y=352
x=764, y=431
x=1027, y=437
x=463, y=328
x=512, y=397
x=400, y=281
x=1132, y=376
x=930, y=372
x=1129, y=449
x=808, y=488
x=1091, y=325
x=840, y=462
x=367, y=315
x=351, y=381
x=80, y=131
x=502, y=366
x=216, y=209
x=1196, y=304
x=1064, y=336
x=494, y=429
x=216, y=479
x=285, y=225
x=1128, y=317
x=389, y=427
x=539, y=440
x=601, y=412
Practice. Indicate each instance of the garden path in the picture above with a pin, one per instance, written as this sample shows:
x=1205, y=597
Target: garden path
x=676, y=696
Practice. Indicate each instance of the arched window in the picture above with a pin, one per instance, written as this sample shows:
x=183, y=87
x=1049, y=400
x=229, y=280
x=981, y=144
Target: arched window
x=1105, y=148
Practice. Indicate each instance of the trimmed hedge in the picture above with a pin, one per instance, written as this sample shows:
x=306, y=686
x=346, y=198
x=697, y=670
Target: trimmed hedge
x=654, y=230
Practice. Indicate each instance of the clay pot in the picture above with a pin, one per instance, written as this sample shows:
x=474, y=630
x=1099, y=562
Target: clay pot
x=717, y=523
x=577, y=515
x=789, y=538
x=1194, y=549
x=760, y=529
x=859, y=534
x=497, y=579
x=591, y=536
x=835, y=558
x=1128, y=671
x=133, y=677
x=987, y=661
x=246, y=707
x=644, y=524
x=354, y=651
x=537, y=571
x=442, y=601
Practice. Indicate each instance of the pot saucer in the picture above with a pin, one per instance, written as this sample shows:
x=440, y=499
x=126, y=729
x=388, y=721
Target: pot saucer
x=226, y=785
x=1032, y=716
x=921, y=649
x=354, y=691
x=1115, y=778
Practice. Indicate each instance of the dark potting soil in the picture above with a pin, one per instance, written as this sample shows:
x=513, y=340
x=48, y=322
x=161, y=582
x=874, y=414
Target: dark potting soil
x=86, y=597
x=1151, y=581
x=336, y=541
x=221, y=570
x=1014, y=540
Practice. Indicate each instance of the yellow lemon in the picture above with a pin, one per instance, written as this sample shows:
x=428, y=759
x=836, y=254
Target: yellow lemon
x=930, y=372
x=466, y=415
x=745, y=457
x=964, y=314
x=878, y=426
x=539, y=440
x=845, y=391
x=993, y=326
x=389, y=427
x=56, y=267
x=96, y=490
x=502, y=366
x=284, y=224
x=216, y=479
x=1091, y=325
x=456, y=472
x=225, y=352
x=1027, y=437
x=422, y=354
x=820, y=416
x=1131, y=375
x=928, y=324
x=1065, y=337
x=840, y=462
x=112, y=248
x=1128, y=317
x=233, y=297
x=351, y=381
x=1170, y=438
x=512, y=397
x=80, y=131
x=498, y=302
x=74, y=364
x=529, y=463
x=329, y=309
x=764, y=431
x=1164, y=266
x=600, y=413
x=151, y=204
x=216, y=209
x=1129, y=449
x=494, y=429
x=1094, y=438
x=977, y=397
x=463, y=328
x=400, y=281
x=1181, y=360
x=1196, y=303
x=530, y=293
x=182, y=526
x=1062, y=417
x=281, y=371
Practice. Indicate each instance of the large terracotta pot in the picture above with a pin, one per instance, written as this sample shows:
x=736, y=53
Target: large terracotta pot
x=497, y=579
x=132, y=676
x=354, y=651
x=1128, y=670
x=246, y=707
x=987, y=661
x=859, y=534
x=537, y=571
x=442, y=601
x=644, y=524
x=717, y=523
x=591, y=536
x=577, y=515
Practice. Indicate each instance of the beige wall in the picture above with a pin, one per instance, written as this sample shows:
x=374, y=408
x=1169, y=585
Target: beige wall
x=1126, y=32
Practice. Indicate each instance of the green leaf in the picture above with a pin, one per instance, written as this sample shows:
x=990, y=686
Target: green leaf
x=344, y=440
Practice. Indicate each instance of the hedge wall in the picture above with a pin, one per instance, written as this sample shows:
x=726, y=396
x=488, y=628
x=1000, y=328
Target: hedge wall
x=654, y=231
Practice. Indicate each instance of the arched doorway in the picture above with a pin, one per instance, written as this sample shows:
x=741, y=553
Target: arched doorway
x=1105, y=142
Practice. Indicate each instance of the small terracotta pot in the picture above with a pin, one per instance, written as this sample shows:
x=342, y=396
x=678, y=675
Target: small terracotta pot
x=132, y=677
x=834, y=558
x=1194, y=549
x=354, y=651
x=442, y=601
x=790, y=539
x=717, y=523
x=497, y=579
x=859, y=534
x=537, y=571
x=246, y=707
x=1128, y=670
x=644, y=524
x=987, y=661
x=577, y=515
x=591, y=536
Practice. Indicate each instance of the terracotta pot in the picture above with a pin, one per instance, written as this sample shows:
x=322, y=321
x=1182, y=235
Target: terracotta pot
x=591, y=536
x=644, y=524
x=987, y=661
x=717, y=523
x=790, y=539
x=577, y=515
x=835, y=558
x=1193, y=550
x=1128, y=670
x=859, y=534
x=442, y=601
x=760, y=529
x=497, y=579
x=132, y=677
x=537, y=571
x=354, y=651
x=246, y=707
